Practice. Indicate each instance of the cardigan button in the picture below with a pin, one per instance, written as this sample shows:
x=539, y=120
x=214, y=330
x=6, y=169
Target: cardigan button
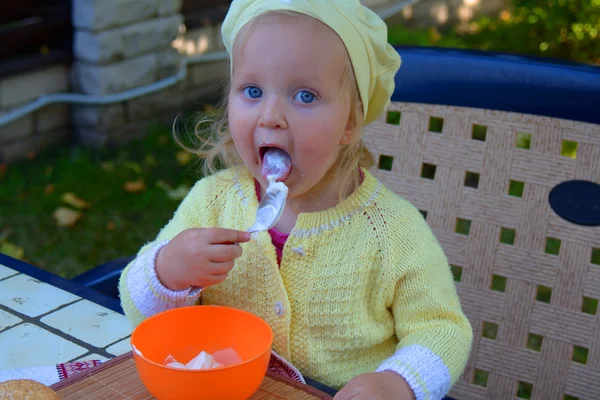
x=299, y=250
x=279, y=309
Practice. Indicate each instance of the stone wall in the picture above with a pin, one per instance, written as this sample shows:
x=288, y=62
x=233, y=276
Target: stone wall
x=37, y=130
x=110, y=125
x=119, y=45
x=126, y=44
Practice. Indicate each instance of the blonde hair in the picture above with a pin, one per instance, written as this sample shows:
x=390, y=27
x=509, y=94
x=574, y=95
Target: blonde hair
x=216, y=148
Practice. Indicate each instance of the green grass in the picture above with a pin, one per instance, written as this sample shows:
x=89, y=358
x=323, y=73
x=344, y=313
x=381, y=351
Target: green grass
x=116, y=224
x=400, y=35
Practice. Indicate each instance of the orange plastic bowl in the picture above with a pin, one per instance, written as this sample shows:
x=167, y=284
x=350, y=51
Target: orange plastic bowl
x=185, y=332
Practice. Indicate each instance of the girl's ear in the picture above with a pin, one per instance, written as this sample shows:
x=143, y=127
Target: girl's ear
x=349, y=131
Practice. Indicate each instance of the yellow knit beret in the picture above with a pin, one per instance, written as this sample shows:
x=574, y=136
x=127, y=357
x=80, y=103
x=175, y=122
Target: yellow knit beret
x=364, y=33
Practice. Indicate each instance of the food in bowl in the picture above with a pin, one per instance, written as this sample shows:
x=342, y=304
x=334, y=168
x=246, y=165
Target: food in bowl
x=204, y=360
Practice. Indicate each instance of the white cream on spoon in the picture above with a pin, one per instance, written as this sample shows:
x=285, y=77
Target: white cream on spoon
x=276, y=167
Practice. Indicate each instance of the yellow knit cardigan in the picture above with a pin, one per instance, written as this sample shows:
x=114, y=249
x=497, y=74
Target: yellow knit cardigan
x=356, y=283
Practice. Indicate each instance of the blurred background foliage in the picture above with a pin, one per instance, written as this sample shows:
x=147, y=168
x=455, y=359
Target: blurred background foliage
x=71, y=208
x=562, y=29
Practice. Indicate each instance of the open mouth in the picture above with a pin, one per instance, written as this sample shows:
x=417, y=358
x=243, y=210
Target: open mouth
x=265, y=148
x=262, y=150
x=276, y=163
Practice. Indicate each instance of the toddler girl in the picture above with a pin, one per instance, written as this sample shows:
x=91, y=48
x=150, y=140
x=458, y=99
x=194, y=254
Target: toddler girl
x=351, y=279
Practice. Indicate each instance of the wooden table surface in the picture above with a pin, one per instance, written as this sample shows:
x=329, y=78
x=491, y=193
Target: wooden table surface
x=118, y=379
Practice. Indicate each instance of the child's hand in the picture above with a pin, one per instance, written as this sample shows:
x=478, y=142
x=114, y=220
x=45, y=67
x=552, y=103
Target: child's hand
x=199, y=257
x=385, y=385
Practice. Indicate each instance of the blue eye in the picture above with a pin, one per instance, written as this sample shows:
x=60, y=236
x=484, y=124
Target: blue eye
x=252, y=92
x=305, y=96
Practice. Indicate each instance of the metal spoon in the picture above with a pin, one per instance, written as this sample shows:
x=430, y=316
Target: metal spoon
x=268, y=213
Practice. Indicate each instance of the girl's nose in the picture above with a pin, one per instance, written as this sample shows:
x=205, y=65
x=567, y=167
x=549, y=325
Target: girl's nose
x=272, y=116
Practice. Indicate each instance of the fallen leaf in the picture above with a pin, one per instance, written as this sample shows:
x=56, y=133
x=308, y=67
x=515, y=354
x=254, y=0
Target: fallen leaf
x=174, y=194
x=5, y=234
x=75, y=201
x=49, y=188
x=134, y=186
x=3, y=169
x=31, y=155
x=178, y=193
x=163, y=185
x=183, y=157
x=110, y=226
x=12, y=250
x=150, y=160
x=134, y=166
x=434, y=35
x=66, y=217
x=107, y=166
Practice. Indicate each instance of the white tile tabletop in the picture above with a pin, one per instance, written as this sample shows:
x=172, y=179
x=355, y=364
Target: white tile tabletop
x=42, y=325
x=90, y=323
x=7, y=320
x=5, y=272
x=27, y=345
x=31, y=297
x=119, y=348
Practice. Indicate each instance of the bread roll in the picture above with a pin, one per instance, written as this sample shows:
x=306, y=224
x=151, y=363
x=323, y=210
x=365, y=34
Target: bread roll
x=26, y=389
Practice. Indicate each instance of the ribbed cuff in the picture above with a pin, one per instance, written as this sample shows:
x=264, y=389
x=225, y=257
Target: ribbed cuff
x=148, y=294
x=423, y=370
